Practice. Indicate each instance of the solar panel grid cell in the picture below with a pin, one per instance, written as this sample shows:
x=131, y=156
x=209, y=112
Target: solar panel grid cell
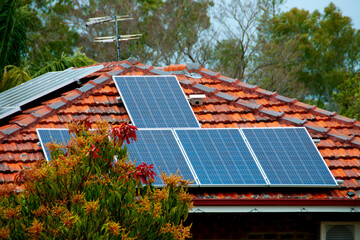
x=289, y=157
x=155, y=101
x=220, y=157
x=60, y=136
x=160, y=147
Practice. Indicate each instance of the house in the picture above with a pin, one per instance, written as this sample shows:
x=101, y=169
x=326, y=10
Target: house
x=219, y=213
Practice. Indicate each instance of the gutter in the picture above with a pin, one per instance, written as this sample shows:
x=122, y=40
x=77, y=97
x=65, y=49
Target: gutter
x=277, y=202
x=275, y=206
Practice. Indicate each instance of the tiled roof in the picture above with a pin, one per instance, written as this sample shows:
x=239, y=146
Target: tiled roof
x=229, y=103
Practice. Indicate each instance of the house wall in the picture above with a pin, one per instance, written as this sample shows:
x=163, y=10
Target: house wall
x=299, y=226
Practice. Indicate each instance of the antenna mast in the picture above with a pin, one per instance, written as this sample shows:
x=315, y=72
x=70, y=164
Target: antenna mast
x=118, y=38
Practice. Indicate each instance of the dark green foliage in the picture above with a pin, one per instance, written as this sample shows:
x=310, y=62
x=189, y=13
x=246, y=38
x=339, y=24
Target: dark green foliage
x=348, y=97
x=327, y=48
x=14, y=20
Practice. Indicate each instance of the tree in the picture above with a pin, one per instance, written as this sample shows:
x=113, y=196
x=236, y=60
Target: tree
x=235, y=52
x=170, y=29
x=329, y=46
x=83, y=194
x=348, y=97
x=26, y=47
x=15, y=75
x=14, y=21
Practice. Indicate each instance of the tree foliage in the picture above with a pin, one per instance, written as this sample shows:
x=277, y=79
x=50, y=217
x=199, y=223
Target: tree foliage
x=327, y=49
x=170, y=28
x=83, y=194
x=348, y=97
x=14, y=22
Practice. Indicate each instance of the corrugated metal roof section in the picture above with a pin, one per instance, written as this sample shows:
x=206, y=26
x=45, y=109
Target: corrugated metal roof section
x=12, y=99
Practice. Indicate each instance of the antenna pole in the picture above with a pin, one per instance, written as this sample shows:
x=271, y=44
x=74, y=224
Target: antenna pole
x=117, y=39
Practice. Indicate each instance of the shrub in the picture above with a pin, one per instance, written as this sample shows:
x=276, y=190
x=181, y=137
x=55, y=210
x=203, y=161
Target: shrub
x=84, y=193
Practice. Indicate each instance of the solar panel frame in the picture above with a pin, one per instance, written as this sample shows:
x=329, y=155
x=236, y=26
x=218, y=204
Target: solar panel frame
x=188, y=164
x=41, y=86
x=250, y=164
x=43, y=143
x=154, y=126
x=315, y=149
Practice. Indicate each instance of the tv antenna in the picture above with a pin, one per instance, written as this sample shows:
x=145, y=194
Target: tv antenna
x=118, y=38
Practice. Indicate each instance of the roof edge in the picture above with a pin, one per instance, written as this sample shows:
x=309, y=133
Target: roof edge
x=276, y=202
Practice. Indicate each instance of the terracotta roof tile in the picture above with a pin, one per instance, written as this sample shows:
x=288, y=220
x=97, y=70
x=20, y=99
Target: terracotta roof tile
x=9, y=129
x=272, y=113
x=304, y=105
x=210, y=73
x=100, y=79
x=247, y=86
x=324, y=112
x=227, y=79
x=226, y=96
x=249, y=104
x=204, y=88
x=228, y=104
x=294, y=120
x=57, y=103
x=26, y=120
x=285, y=99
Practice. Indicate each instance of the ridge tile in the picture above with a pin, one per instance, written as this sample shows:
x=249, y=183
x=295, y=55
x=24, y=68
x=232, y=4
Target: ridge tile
x=324, y=112
x=115, y=72
x=204, y=88
x=344, y=119
x=265, y=92
x=249, y=104
x=226, y=96
x=69, y=96
x=191, y=66
x=86, y=87
x=294, y=120
x=285, y=99
x=158, y=71
x=101, y=79
x=316, y=128
x=227, y=79
x=57, y=104
x=210, y=73
x=272, y=113
x=125, y=65
x=247, y=86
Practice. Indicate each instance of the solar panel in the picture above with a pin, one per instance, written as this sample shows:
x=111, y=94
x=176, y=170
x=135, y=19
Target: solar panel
x=289, y=157
x=18, y=96
x=155, y=102
x=60, y=136
x=159, y=147
x=220, y=157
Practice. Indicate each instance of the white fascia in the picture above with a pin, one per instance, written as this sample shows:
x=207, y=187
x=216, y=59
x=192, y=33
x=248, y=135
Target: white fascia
x=273, y=209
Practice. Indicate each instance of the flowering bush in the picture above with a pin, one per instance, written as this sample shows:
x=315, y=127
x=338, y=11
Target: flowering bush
x=83, y=193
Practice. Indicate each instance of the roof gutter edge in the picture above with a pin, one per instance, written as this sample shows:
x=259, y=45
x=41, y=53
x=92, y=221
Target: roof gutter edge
x=276, y=202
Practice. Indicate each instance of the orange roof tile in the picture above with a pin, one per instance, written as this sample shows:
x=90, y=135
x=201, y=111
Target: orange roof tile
x=254, y=107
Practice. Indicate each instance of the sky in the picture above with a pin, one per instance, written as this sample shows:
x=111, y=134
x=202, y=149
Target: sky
x=350, y=8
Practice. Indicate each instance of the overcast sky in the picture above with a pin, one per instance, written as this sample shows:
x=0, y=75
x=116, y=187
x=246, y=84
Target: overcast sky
x=349, y=8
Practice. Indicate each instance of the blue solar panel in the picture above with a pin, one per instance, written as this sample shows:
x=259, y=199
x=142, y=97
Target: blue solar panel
x=220, y=156
x=289, y=157
x=159, y=147
x=155, y=102
x=60, y=136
